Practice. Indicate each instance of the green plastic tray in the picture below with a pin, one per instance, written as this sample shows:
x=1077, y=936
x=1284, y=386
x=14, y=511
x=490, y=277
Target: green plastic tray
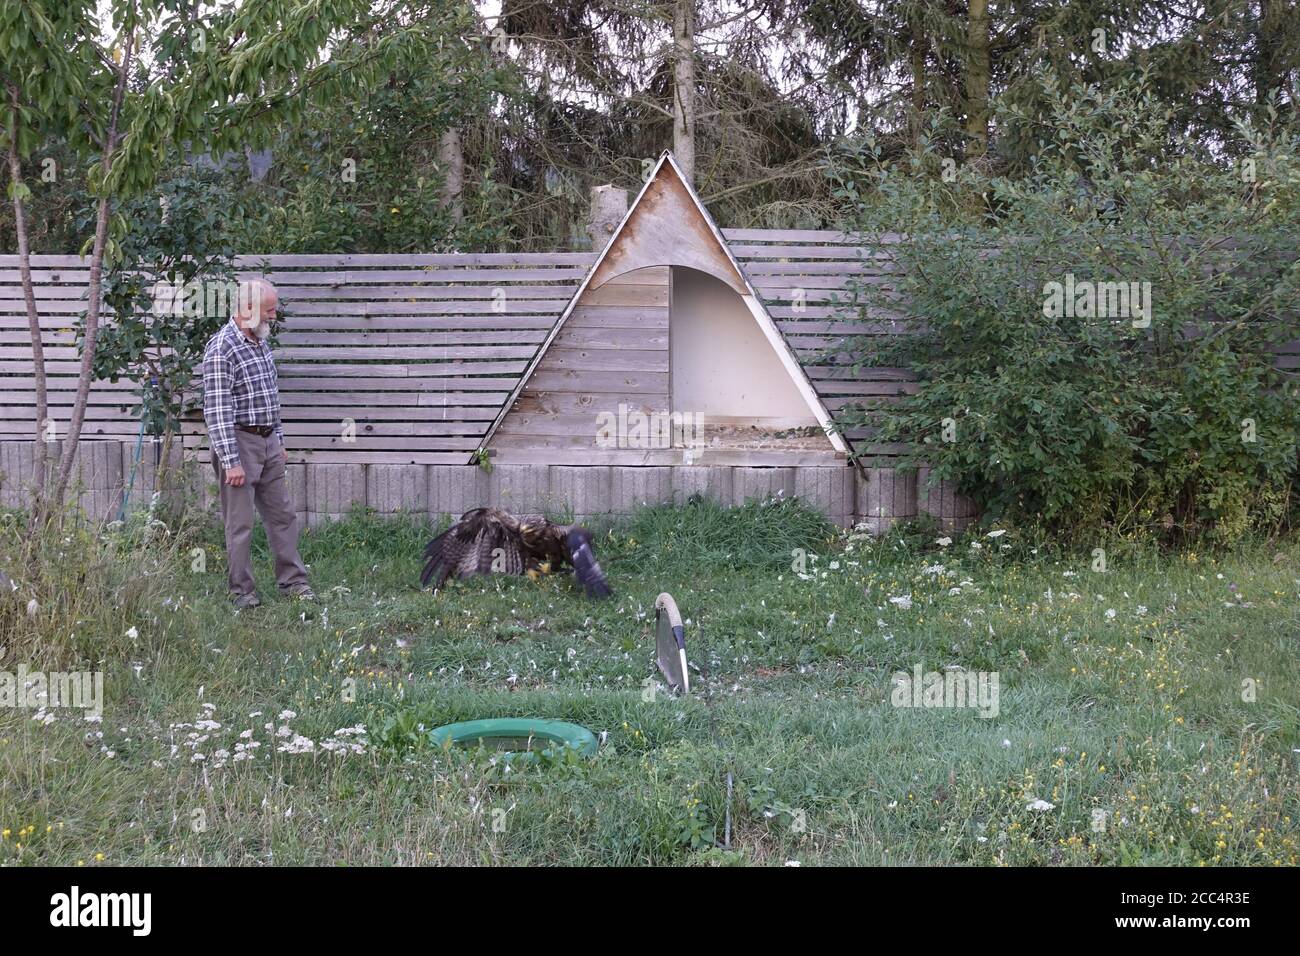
x=512, y=736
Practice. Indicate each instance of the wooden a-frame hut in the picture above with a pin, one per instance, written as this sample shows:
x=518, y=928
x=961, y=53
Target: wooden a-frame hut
x=665, y=355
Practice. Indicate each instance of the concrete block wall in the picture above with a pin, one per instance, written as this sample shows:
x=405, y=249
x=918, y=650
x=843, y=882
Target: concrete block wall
x=632, y=488
x=885, y=497
x=877, y=497
x=100, y=477
x=940, y=500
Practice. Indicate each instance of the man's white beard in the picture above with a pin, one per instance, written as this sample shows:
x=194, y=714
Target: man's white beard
x=262, y=330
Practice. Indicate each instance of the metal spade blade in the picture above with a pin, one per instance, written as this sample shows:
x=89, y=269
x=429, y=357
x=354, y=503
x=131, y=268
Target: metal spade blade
x=670, y=644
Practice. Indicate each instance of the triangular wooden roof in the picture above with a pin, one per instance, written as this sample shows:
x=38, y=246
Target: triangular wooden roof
x=668, y=225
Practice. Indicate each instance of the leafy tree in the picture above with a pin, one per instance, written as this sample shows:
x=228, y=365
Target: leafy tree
x=214, y=76
x=368, y=174
x=170, y=289
x=1101, y=348
x=43, y=86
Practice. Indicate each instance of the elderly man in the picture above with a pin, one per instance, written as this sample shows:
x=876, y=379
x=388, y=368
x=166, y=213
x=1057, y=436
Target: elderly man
x=241, y=404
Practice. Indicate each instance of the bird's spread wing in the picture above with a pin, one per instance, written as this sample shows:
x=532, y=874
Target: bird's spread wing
x=491, y=541
x=484, y=541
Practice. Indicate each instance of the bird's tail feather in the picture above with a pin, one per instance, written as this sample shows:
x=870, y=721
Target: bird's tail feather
x=589, y=572
x=434, y=562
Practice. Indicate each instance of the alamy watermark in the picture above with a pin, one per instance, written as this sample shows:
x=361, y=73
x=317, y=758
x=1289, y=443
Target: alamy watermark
x=1101, y=300
x=206, y=297
x=633, y=428
x=77, y=909
x=951, y=689
x=39, y=690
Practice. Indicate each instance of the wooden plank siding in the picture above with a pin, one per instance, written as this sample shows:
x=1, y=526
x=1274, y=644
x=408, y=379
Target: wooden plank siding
x=419, y=352
x=806, y=280
x=612, y=351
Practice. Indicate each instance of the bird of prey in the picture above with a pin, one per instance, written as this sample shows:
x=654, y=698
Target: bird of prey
x=492, y=541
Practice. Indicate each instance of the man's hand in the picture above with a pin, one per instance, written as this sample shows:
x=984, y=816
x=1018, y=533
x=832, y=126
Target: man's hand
x=235, y=476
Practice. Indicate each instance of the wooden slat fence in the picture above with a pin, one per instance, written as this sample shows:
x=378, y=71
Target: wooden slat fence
x=419, y=351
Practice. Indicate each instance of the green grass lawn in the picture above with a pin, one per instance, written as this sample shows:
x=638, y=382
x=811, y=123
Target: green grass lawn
x=1153, y=706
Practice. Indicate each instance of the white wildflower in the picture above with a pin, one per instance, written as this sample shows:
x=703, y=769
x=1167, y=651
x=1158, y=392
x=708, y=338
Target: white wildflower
x=298, y=745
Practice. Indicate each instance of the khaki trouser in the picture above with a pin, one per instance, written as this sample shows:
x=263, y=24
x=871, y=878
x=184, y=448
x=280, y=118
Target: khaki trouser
x=264, y=486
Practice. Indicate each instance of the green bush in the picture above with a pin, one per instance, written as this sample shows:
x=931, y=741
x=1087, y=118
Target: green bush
x=177, y=239
x=1154, y=405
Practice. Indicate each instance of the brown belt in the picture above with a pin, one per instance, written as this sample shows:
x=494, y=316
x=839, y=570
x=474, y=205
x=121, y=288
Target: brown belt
x=266, y=431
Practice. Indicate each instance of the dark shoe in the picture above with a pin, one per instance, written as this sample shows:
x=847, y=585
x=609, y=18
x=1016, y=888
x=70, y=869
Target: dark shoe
x=301, y=592
x=243, y=602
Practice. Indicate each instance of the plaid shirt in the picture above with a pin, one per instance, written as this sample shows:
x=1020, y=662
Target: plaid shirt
x=240, y=386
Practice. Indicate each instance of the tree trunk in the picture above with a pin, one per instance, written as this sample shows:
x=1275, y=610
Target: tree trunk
x=684, y=87
x=977, y=79
x=88, y=343
x=918, y=80
x=41, y=450
x=451, y=157
x=94, y=287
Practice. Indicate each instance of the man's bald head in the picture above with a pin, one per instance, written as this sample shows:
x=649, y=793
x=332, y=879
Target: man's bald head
x=256, y=306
